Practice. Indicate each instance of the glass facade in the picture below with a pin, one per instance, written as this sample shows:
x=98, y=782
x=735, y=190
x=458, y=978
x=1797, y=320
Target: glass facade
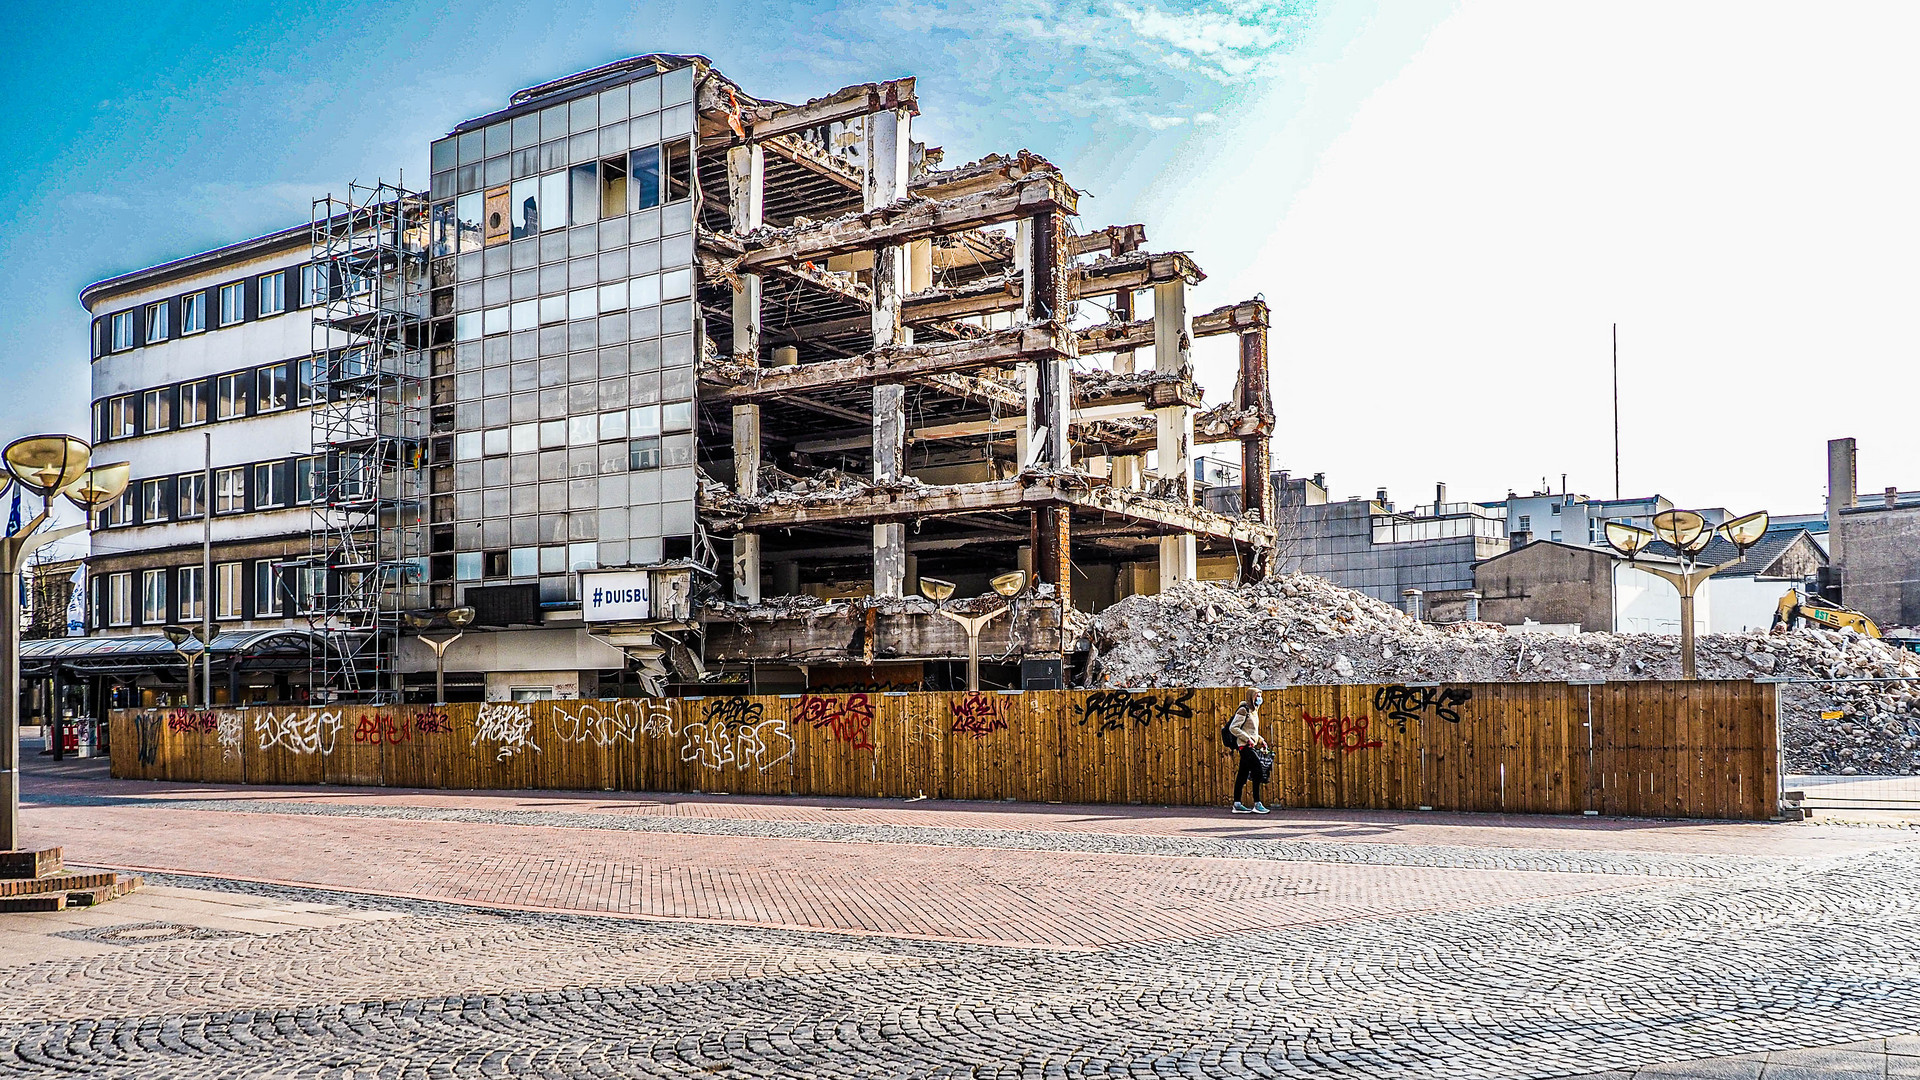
x=568, y=225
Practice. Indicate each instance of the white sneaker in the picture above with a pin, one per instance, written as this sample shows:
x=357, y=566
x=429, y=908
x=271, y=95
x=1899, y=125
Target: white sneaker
x=1260, y=808
x=1241, y=808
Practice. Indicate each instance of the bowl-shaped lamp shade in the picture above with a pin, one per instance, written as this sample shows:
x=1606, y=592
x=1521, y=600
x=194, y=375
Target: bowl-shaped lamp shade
x=1679, y=527
x=1699, y=543
x=99, y=486
x=462, y=616
x=45, y=464
x=935, y=589
x=176, y=634
x=1627, y=539
x=1010, y=584
x=417, y=620
x=1746, y=531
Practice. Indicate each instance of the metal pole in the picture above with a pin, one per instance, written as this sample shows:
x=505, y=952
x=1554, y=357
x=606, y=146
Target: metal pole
x=10, y=697
x=439, y=676
x=1686, y=626
x=973, y=655
x=189, y=658
x=206, y=585
x=1616, y=410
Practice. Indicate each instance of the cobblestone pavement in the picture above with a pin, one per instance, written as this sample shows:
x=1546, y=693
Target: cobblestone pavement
x=446, y=935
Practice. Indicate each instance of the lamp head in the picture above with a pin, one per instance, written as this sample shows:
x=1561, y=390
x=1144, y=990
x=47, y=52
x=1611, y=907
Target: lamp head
x=212, y=630
x=176, y=634
x=462, y=616
x=46, y=464
x=1627, y=539
x=935, y=589
x=1680, y=528
x=417, y=620
x=1010, y=584
x=1746, y=531
x=99, y=485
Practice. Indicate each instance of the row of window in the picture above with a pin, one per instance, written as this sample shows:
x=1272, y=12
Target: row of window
x=235, y=302
x=579, y=304
x=641, y=97
x=522, y=562
x=231, y=396
x=237, y=489
x=252, y=589
x=635, y=424
x=577, y=195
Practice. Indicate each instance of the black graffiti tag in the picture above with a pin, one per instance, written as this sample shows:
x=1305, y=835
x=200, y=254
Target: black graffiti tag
x=147, y=727
x=1404, y=703
x=1113, y=709
x=732, y=712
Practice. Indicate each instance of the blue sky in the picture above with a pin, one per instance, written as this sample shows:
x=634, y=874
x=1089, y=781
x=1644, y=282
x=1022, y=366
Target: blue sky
x=1446, y=203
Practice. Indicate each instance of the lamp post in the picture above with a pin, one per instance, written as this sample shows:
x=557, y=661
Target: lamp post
x=1686, y=531
x=203, y=637
x=459, y=618
x=1008, y=585
x=48, y=466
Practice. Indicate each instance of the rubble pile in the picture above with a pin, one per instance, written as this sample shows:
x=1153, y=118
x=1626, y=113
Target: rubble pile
x=1304, y=629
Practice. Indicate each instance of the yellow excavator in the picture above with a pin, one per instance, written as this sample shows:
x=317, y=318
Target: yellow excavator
x=1826, y=613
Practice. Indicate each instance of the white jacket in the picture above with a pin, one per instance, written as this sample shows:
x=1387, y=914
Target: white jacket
x=1245, y=726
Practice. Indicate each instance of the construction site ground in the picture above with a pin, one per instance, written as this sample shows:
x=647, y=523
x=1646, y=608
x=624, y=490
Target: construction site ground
x=335, y=932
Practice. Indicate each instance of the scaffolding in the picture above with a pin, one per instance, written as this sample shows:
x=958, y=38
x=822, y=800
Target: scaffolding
x=366, y=565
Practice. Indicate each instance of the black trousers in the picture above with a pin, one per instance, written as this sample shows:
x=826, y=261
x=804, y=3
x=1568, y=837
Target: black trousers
x=1249, y=770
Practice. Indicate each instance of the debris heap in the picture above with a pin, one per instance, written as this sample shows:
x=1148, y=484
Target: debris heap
x=1305, y=629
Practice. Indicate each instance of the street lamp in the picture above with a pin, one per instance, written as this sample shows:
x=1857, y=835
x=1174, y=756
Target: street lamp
x=1008, y=585
x=459, y=618
x=1687, y=532
x=202, y=638
x=46, y=465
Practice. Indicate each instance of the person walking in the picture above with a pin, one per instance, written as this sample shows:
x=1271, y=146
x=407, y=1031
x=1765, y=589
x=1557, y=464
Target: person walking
x=1244, y=730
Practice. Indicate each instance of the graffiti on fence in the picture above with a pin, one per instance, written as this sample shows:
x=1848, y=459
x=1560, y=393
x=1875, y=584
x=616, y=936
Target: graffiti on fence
x=146, y=726
x=229, y=733
x=1345, y=733
x=432, y=722
x=378, y=729
x=658, y=720
x=508, y=723
x=735, y=732
x=1404, y=703
x=978, y=714
x=849, y=719
x=187, y=721
x=602, y=726
x=1113, y=709
x=301, y=731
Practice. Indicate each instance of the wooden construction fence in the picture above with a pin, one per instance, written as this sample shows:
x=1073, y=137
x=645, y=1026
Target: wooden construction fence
x=1657, y=749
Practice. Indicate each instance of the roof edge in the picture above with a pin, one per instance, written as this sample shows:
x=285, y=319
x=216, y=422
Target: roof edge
x=91, y=294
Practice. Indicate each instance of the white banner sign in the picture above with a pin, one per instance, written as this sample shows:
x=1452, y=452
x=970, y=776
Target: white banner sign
x=619, y=596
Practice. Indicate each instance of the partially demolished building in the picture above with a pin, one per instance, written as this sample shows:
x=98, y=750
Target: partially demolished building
x=678, y=387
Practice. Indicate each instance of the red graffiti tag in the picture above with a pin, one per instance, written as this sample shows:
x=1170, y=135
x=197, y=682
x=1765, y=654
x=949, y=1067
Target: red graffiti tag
x=377, y=729
x=184, y=721
x=432, y=722
x=1346, y=733
x=849, y=718
x=978, y=715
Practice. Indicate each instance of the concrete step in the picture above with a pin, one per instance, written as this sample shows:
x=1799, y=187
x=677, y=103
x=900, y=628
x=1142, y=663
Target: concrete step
x=62, y=882
x=100, y=894
x=31, y=864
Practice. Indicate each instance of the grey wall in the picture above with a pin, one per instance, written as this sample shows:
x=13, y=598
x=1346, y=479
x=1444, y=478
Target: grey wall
x=1881, y=576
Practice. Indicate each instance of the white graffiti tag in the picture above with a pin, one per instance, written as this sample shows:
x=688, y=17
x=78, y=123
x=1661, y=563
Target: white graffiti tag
x=736, y=733
x=592, y=723
x=230, y=734
x=510, y=725
x=309, y=732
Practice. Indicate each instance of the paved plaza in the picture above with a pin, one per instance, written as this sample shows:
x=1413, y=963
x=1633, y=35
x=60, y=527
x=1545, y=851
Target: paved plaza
x=344, y=933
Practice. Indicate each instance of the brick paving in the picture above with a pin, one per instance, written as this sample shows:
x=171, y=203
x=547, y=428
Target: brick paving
x=548, y=934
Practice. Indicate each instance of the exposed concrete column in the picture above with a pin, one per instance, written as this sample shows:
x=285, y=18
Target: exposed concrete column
x=1843, y=484
x=1256, y=450
x=1126, y=467
x=746, y=175
x=1045, y=275
x=888, y=139
x=1173, y=427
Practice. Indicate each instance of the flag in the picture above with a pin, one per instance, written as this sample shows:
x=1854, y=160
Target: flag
x=13, y=519
x=77, y=603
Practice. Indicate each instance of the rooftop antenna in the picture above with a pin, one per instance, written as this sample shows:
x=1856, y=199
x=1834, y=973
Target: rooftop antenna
x=1616, y=410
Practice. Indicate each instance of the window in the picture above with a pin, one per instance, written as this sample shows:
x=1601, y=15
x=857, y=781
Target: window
x=523, y=562
x=1526, y=523
x=157, y=406
x=193, y=403
x=226, y=590
x=153, y=596
x=553, y=200
x=156, y=322
x=1556, y=536
x=676, y=416
x=230, y=396
x=644, y=177
x=273, y=293
x=120, y=417
x=120, y=599
x=644, y=453
x=230, y=490
x=466, y=566
x=189, y=496
x=123, y=330
x=154, y=499
x=613, y=186
x=266, y=588
x=1556, y=509
x=584, y=180
x=193, y=313
x=583, y=556
x=233, y=303
x=313, y=284
x=269, y=485
x=306, y=480
x=524, y=208
x=679, y=173
x=271, y=388
x=192, y=595
x=120, y=510
x=306, y=383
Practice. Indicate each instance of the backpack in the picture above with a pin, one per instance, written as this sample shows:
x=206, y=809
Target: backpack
x=1226, y=735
